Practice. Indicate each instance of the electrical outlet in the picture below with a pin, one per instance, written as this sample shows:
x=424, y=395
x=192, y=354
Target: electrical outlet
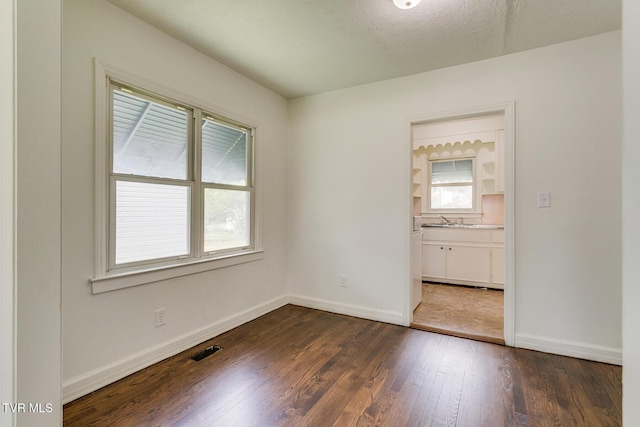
x=342, y=280
x=544, y=199
x=161, y=317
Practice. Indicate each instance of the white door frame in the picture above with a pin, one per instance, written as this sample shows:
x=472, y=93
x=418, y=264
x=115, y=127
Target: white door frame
x=508, y=109
x=7, y=208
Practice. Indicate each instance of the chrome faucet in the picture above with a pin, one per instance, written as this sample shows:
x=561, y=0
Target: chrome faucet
x=444, y=220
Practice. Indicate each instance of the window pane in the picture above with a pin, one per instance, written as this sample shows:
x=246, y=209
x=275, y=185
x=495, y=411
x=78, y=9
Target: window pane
x=454, y=171
x=152, y=221
x=226, y=219
x=224, y=154
x=149, y=139
x=454, y=197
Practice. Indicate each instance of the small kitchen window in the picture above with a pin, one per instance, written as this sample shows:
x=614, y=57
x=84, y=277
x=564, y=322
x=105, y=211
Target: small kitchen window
x=451, y=185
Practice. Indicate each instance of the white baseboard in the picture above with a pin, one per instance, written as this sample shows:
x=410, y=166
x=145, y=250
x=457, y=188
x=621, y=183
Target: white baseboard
x=593, y=352
x=348, y=309
x=93, y=380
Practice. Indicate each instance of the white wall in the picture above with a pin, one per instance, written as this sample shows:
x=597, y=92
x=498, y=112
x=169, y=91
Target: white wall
x=38, y=357
x=348, y=174
x=109, y=335
x=631, y=213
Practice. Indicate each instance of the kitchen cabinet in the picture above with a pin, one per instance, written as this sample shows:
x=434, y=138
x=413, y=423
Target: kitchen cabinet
x=433, y=261
x=497, y=265
x=464, y=256
x=416, y=268
x=469, y=263
x=497, y=257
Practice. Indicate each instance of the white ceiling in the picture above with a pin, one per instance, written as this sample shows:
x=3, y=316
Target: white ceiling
x=303, y=47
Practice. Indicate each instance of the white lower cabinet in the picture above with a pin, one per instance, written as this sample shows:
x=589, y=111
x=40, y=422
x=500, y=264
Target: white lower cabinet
x=497, y=265
x=464, y=256
x=469, y=263
x=416, y=268
x=433, y=261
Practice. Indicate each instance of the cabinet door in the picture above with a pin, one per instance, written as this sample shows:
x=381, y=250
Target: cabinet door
x=468, y=263
x=416, y=269
x=433, y=264
x=497, y=265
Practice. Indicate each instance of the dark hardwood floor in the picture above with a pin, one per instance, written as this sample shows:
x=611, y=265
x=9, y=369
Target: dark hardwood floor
x=461, y=311
x=301, y=367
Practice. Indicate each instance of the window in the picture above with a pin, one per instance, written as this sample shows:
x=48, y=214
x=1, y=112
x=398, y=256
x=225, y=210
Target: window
x=180, y=182
x=451, y=184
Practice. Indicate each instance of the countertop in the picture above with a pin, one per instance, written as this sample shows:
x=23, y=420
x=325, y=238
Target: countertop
x=466, y=226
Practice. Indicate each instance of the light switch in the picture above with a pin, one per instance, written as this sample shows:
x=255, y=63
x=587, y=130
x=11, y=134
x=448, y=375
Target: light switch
x=544, y=199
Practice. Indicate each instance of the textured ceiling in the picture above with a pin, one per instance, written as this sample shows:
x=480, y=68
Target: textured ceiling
x=303, y=47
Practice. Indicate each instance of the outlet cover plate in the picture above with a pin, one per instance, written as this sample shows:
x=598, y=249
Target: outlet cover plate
x=544, y=199
x=343, y=280
x=161, y=317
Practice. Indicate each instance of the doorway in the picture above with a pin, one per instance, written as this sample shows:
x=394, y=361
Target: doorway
x=462, y=184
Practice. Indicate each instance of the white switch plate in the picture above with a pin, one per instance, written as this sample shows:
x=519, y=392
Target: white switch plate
x=544, y=199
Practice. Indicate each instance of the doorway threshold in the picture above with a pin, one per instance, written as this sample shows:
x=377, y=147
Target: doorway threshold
x=461, y=311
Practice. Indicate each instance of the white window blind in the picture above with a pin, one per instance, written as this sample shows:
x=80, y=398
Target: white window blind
x=224, y=153
x=149, y=138
x=453, y=171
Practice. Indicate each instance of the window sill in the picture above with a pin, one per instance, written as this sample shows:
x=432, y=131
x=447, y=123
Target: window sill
x=117, y=281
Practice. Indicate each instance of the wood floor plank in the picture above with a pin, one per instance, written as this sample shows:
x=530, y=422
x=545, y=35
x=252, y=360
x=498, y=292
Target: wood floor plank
x=303, y=367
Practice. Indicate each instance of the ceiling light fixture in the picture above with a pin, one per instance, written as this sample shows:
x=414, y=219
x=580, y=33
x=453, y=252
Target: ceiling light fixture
x=406, y=4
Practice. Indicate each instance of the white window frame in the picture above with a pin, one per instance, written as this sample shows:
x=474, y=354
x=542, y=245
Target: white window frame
x=474, y=186
x=108, y=276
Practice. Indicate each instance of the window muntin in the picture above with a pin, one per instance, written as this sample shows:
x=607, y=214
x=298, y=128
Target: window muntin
x=161, y=212
x=451, y=184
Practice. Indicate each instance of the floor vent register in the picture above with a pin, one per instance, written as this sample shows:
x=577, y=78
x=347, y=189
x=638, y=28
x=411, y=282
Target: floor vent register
x=206, y=352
